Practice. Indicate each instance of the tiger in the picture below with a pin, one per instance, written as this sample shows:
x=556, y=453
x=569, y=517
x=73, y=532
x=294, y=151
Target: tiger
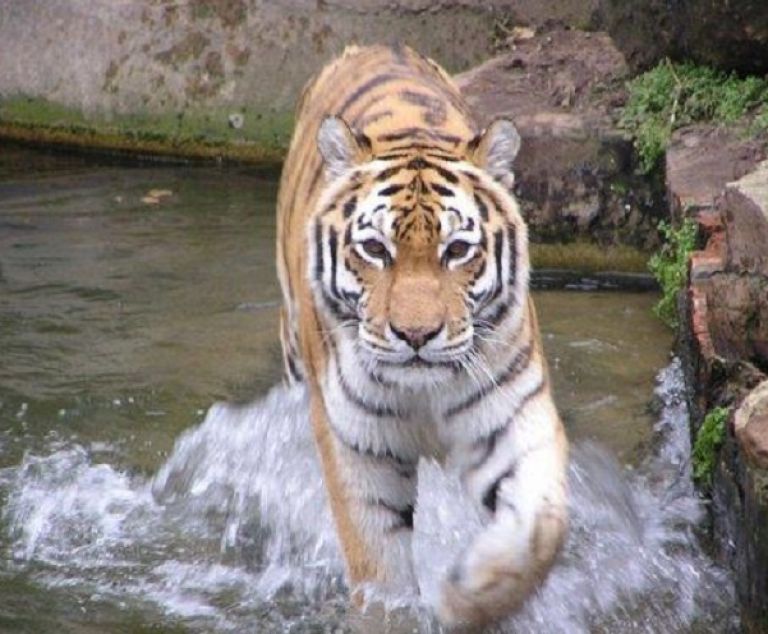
x=403, y=261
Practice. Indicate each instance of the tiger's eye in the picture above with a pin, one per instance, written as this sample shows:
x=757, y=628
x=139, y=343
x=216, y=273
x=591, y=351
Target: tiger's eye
x=374, y=248
x=457, y=249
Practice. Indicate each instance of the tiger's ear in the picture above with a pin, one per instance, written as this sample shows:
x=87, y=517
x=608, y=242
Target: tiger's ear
x=496, y=147
x=340, y=148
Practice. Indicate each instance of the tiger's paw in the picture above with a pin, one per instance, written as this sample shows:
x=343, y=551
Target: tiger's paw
x=470, y=602
x=499, y=572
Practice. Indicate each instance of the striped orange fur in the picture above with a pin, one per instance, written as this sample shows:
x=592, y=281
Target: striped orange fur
x=403, y=260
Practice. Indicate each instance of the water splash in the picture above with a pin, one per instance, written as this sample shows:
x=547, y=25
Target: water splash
x=631, y=562
x=234, y=532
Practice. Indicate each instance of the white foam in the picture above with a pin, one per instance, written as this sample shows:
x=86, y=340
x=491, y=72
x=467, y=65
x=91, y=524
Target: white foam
x=235, y=527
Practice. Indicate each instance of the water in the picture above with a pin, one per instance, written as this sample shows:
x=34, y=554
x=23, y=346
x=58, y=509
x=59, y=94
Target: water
x=129, y=503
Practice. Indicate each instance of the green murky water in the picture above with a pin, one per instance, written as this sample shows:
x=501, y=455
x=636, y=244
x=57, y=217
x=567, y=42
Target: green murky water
x=122, y=321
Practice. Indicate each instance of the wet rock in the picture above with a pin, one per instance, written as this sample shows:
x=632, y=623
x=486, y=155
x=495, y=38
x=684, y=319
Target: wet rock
x=751, y=426
x=746, y=222
x=740, y=514
x=575, y=174
x=724, y=341
x=701, y=160
x=720, y=303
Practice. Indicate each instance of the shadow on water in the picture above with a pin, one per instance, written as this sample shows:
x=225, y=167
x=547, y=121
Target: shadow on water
x=121, y=321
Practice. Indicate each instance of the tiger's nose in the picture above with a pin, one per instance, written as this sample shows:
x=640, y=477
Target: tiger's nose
x=415, y=337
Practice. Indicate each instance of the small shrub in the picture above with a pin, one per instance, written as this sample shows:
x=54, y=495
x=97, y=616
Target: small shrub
x=670, y=96
x=709, y=439
x=670, y=267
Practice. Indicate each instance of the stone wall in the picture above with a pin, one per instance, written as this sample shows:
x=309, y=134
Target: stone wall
x=720, y=180
x=219, y=77
x=195, y=73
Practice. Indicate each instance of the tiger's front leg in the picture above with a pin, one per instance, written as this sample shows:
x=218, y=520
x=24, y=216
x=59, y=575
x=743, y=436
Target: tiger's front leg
x=518, y=473
x=372, y=493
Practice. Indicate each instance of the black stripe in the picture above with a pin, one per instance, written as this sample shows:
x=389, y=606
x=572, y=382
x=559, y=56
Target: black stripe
x=448, y=138
x=333, y=243
x=520, y=361
x=363, y=89
x=489, y=499
x=388, y=173
x=490, y=444
x=349, y=207
x=444, y=157
x=351, y=297
x=415, y=132
x=319, y=262
x=404, y=133
x=363, y=141
x=405, y=514
x=336, y=307
x=379, y=411
x=391, y=189
x=417, y=146
x=375, y=378
x=512, y=238
x=440, y=189
x=499, y=314
x=482, y=207
x=498, y=246
x=293, y=370
x=446, y=174
x=404, y=467
x=475, y=297
x=434, y=109
x=368, y=119
x=392, y=156
x=418, y=164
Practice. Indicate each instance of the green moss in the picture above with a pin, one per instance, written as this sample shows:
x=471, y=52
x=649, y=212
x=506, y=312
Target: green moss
x=670, y=266
x=264, y=136
x=588, y=257
x=709, y=439
x=28, y=110
x=671, y=95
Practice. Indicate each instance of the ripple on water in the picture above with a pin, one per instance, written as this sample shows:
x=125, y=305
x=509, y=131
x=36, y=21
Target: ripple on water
x=234, y=533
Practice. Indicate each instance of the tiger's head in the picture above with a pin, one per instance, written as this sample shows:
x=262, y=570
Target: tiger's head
x=417, y=252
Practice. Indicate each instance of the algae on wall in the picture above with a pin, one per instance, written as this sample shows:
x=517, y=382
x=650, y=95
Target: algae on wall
x=206, y=134
x=200, y=78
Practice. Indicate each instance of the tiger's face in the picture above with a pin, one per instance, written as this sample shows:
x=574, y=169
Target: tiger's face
x=421, y=254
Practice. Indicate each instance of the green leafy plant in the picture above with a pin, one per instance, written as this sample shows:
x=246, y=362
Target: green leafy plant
x=673, y=95
x=670, y=266
x=709, y=439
